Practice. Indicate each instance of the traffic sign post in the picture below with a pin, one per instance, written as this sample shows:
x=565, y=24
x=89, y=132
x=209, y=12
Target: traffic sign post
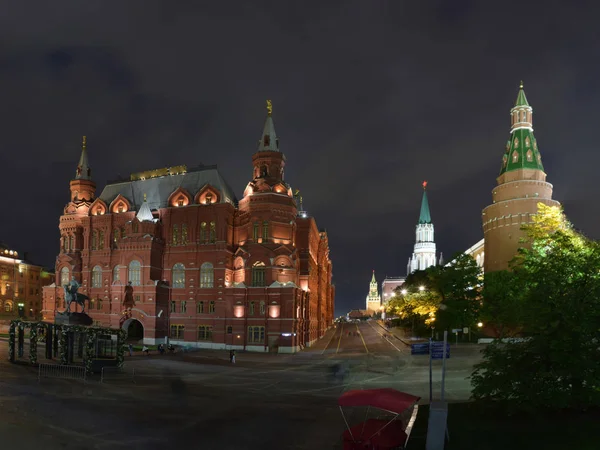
x=444, y=362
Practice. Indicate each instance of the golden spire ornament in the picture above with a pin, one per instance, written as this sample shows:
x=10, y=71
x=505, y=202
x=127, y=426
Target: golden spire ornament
x=83, y=143
x=269, y=107
x=144, y=196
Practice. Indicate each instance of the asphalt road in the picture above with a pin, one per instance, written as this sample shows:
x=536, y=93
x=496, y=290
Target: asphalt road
x=201, y=400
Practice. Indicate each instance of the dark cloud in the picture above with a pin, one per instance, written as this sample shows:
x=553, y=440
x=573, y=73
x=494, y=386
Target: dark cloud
x=370, y=99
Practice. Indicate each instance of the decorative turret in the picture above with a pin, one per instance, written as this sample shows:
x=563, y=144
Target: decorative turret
x=521, y=150
x=521, y=186
x=145, y=214
x=268, y=161
x=83, y=189
x=424, y=251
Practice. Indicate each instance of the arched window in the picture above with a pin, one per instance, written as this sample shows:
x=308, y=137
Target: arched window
x=8, y=306
x=135, y=275
x=71, y=243
x=265, y=231
x=64, y=276
x=207, y=275
x=251, y=309
x=213, y=232
x=255, y=232
x=116, y=273
x=258, y=274
x=101, y=240
x=94, y=240
x=515, y=157
x=504, y=160
x=184, y=234
x=116, y=235
x=203, y=232
x=178, y=276
x=97, y=277
x=262, y=308
x=529, y=156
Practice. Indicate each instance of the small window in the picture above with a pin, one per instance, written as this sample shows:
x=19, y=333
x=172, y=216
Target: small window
x=203, y=232
x=116, y=274
x=205, y=333
x=173, y=306
x=200, y=308
x=256, y=335
x=255, y=232
x=529, y=156
x=94, y=240
x=515, y=157
x=183, y=307
x=262, y=308
x=527, y=142
x=99, y=304
x=120, y=209
x=64, y=276
x=175, y=235
x=97, y=277
x=258, y=274
x=134, y=275
x=213, y=232
x=184, y=234
x=265, y=231
x=504, y=160
x=229, y=329
x=516, y=142
x=251, y=309
x=207, y=275
x=180, y=202
x=211, y=307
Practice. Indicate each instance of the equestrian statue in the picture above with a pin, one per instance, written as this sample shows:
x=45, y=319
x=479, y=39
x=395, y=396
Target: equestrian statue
x=71, y=295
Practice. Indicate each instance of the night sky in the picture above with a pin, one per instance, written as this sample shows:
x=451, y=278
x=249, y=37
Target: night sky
x=369, y=98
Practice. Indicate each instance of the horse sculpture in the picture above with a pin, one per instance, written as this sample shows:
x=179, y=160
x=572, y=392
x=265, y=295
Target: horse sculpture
x=71, y=295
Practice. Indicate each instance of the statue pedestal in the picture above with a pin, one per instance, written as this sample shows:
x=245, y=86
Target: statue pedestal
x=73, y=319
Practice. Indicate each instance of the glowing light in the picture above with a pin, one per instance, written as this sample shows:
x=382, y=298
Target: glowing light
x=480, y=324
x=404, y=292
x=421, y=288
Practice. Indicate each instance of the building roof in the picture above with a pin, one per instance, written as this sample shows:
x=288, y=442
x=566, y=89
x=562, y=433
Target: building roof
x=521, y=99
x=145, y=213
x=268, y=141
x=83, y=168
x=159, y=189
x=424, y=215
x=521, y=151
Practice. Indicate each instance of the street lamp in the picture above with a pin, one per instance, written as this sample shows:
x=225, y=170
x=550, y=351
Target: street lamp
x=404, y=292
x=421, y=288
x=480, y=324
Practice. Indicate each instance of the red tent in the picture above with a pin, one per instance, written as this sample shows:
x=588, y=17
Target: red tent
x=387, y=399
x=375, y=434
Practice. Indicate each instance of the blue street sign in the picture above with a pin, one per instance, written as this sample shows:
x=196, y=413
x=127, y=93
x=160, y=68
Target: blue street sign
x=437, y=350
x=419, y=349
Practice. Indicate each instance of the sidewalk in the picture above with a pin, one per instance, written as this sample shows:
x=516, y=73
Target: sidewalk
x=400, y=334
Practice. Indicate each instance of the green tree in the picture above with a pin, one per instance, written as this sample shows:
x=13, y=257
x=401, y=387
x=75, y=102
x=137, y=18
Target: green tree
x=502, y=303
x=557, y=365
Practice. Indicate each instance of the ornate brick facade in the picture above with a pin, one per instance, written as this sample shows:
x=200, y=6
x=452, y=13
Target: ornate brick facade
x=206, y=269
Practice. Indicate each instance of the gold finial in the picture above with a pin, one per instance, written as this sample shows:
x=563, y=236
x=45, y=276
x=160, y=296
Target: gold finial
x=83, y=143
x=521, y=86
x=144, y=196
x=269, y=107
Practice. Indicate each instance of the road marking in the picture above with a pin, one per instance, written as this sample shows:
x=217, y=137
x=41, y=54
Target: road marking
x=332, y=336
x=382, y=335
x=340, y=341
x=362, y=338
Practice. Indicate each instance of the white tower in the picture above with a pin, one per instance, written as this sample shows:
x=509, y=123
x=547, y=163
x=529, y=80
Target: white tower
x=424, y=253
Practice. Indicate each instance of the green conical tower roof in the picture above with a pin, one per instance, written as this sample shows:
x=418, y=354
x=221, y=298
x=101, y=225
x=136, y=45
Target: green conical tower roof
x=521, y=99
x=424, y=215
x=373, y=278
x=521, y=151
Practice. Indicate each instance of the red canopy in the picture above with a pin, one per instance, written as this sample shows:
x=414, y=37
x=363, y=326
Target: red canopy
x=387, y=399
x=375, y=434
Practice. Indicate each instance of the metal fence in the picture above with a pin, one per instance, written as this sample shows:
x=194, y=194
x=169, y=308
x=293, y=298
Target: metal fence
x=60, y=371
x=116, y=373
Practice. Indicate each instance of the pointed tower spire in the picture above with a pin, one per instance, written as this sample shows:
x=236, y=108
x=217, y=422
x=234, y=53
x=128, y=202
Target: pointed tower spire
x=373, y=278
x=425, y=215
x=83, y=169
x=269, y=140
x=521, y=150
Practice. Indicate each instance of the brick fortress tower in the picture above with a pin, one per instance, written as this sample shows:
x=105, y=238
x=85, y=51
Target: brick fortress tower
x=521, y=186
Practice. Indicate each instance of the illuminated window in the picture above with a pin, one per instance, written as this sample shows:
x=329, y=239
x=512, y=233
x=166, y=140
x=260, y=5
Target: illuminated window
x=177, y=331
x=206, y=275
x=258, y=274
x=184, y=234
x=213, y=232
x=204, y=333
x=265, y=231
x=120, y=209
x=208, y=197
x=527, y=142
x=256, y=335
x=8, y=306
x=200, y=308
x=116, y=273
x=178, y=276
x=515, y=157
x=116, y=235
x=211, y=307
x=175, y=235
x=255, y=233
x=183, y=306
x=504, y=160
x=262, y=308
x=64, y=276
x=529, y=156
x=97, y=277
x=203, y=232
x=251, y=309
x=516, y=143
x=180, y=202
x=134, y=274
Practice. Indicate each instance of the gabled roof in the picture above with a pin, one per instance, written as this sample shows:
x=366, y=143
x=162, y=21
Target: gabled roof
x=158, y=190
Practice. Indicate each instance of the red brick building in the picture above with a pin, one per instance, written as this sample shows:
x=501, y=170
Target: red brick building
x=206, y=269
